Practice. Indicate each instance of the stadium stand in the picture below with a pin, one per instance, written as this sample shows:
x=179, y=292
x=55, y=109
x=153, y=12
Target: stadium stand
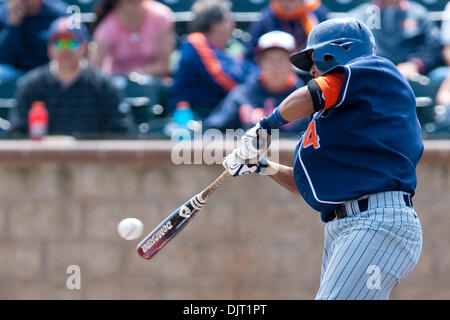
x=246, y=10
x=148, y=105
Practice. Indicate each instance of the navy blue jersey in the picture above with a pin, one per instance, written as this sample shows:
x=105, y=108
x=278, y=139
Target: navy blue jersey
x=369, y=141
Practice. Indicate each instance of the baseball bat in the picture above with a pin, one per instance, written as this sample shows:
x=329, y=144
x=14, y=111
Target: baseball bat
x=177, y=220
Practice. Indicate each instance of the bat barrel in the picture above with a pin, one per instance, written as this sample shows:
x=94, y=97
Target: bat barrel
x=170, y=227
x=176, y=221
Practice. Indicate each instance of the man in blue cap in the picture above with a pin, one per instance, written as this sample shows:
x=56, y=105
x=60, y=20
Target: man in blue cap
x=356, y=162
x=80, y=101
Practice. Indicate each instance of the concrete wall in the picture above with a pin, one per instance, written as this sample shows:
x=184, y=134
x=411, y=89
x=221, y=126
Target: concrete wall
x=60, y=205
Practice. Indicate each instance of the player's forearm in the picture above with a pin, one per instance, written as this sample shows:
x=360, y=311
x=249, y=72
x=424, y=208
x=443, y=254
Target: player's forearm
x=297, y=105
x=283, y=175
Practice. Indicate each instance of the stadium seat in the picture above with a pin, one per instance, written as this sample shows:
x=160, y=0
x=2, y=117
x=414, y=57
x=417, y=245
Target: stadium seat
x=7, y=89
x=440, y=129
x=249, y=5
x=7, y=102
x=433, y=5
x=85, y=6
x=425, y=93
x=346, y=5
x=257, y=5
x=242, y=8
x=246, y=11
x=178, y=5
x=147, y=97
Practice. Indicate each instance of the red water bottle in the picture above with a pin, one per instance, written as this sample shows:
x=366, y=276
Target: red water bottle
x=37, y=120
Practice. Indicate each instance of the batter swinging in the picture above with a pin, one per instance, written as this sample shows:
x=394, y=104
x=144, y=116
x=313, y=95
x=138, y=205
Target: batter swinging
x=355, y=164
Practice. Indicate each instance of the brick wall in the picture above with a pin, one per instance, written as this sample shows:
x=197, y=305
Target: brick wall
x=60, y=205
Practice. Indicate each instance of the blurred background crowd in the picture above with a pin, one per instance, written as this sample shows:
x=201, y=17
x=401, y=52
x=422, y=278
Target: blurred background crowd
x=140, y=69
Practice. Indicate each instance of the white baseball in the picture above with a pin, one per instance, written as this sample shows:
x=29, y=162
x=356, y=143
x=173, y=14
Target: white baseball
x=130, y=228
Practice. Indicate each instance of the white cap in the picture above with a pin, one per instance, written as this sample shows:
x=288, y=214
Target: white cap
x=276, y=39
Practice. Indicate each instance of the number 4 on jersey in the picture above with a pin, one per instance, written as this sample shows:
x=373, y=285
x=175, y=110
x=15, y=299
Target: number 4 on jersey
x=311, y=137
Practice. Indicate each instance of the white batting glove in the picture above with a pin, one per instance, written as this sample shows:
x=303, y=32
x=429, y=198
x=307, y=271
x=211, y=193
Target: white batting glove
x=254, y=144
x=238, y=167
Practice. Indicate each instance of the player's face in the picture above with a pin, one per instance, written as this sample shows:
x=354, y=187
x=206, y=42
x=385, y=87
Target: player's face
x=314, y=71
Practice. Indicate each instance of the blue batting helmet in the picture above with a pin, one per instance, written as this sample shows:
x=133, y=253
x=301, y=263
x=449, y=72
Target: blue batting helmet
x=335, y=42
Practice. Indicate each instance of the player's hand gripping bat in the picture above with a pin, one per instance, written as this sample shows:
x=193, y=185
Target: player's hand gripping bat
x=177, y=220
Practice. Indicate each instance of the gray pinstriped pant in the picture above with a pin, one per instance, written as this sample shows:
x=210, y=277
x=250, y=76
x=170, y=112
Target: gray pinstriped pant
x=367, y=253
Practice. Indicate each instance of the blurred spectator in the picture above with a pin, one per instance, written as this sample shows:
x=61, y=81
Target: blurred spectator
x=443, y=96
x=80, y=101
x=260, y=94
x=296, y=17
x=206, y=73
x=405, y=35
x=133, y=35
x=23, y=34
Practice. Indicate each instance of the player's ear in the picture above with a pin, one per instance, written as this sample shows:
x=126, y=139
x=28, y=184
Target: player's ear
x=312, y=71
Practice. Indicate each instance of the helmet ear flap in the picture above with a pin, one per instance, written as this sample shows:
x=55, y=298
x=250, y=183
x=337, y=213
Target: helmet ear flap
x=325, y=60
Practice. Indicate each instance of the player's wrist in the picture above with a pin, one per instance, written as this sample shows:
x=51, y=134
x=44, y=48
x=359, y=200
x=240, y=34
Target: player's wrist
x=273, y=121
x=266, y=168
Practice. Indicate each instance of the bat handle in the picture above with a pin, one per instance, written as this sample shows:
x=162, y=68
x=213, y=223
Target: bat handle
x=205, y=194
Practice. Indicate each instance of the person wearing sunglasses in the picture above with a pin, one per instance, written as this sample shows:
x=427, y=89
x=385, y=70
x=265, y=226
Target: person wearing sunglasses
x=80, y=101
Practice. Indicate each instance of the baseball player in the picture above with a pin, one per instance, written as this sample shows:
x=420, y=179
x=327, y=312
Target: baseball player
x=356, y=162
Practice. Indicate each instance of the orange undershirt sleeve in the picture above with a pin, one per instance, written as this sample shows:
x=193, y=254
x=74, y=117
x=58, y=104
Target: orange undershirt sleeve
x=330, y=85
